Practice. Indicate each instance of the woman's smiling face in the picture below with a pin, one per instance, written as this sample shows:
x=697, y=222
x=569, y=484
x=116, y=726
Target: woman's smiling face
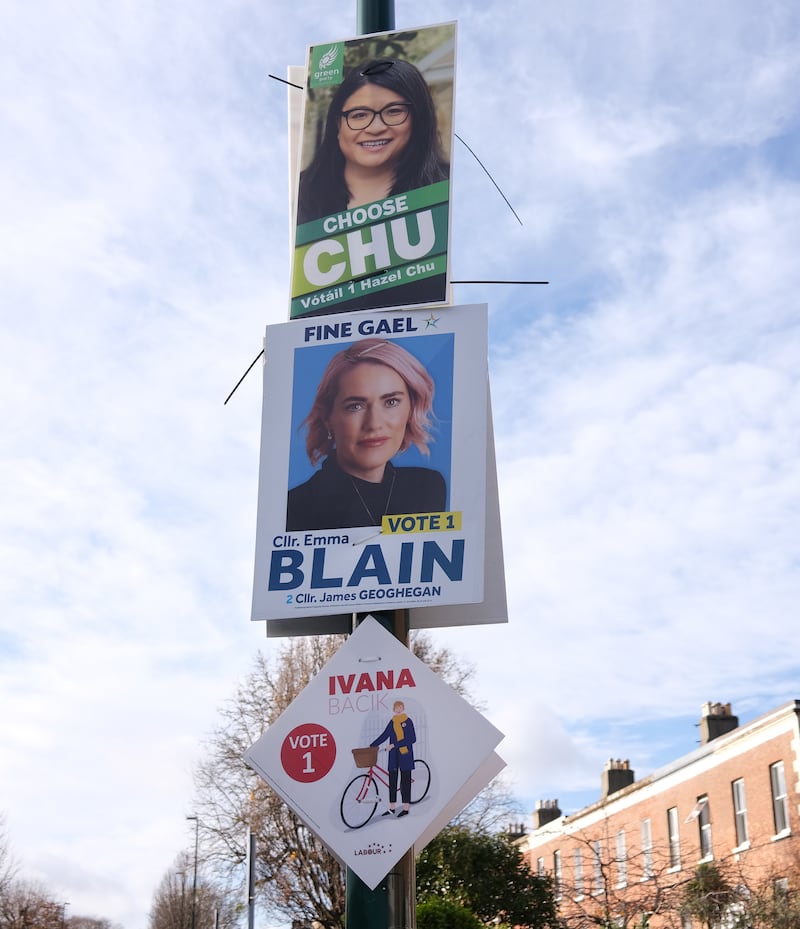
x=368, y=419
x=378, y=145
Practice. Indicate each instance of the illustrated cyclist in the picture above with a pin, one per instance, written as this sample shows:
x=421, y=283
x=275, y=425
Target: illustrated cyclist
x=401, y=735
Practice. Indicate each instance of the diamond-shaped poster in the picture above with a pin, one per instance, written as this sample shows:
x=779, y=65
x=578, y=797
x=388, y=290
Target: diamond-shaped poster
x=373, y=751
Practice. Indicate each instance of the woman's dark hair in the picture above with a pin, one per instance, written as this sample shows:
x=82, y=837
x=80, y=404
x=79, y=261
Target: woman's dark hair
x=322, y=186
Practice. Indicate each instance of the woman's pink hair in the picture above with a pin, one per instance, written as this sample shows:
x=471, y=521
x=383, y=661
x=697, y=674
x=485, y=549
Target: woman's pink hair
x=374, y=352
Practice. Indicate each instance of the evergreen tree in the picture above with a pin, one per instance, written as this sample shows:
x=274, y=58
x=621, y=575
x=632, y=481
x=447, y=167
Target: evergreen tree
x=487, y=875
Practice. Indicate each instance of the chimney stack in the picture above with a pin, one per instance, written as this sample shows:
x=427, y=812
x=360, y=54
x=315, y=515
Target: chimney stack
x=516, y=830
x=616, y=775
x=546, y=811
x=716, y=720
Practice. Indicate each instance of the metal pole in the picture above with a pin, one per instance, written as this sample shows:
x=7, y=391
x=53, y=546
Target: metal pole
x=375, y=16
x=194, y=880
x=251, y=880
x=392, y=905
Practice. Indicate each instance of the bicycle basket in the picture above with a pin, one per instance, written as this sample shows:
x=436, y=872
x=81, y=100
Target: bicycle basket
x=365, y=757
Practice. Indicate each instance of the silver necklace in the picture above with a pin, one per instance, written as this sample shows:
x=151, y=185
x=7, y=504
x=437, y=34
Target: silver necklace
x=373, y=521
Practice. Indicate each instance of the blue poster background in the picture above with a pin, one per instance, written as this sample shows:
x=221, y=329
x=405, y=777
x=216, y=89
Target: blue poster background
x=435, y=351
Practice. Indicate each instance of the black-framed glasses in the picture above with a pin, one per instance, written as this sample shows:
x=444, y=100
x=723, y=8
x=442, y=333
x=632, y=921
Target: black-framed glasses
x=393, y=114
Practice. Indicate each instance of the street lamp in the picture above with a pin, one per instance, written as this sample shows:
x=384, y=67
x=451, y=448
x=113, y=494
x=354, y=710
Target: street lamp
x=194, y=881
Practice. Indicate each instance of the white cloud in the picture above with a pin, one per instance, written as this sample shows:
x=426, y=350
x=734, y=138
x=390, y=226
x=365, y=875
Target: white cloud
x=646, y=401
x=647, y=473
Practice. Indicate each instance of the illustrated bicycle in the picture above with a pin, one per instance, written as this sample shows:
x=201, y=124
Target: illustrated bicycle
x=362, y=795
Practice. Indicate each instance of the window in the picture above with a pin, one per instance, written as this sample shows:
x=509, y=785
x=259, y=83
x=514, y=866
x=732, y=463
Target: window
x=740, y=812
x=647, y=850
x=622, y=860
x=540, y=866
x=578, y=864
x=597, y=849
x=674, y=834
x=780, y=802
x=557, y=874
x=704, y=826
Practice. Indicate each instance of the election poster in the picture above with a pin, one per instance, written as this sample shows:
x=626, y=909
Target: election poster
x=372, y=481
x=372, y=754
x=372, y=198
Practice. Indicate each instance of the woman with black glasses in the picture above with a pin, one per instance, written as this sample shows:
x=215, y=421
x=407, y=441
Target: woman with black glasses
x=380, y=139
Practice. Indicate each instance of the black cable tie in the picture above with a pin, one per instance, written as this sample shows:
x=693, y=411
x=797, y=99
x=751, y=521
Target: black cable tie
x=290, y=83
x=488, y=175
x=243, y=376
x=379, y=67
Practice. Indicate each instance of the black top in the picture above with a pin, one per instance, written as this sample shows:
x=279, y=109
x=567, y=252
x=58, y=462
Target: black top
x=333, y=499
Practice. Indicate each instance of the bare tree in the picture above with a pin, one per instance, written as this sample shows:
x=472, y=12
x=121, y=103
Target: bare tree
x=443, y=661
x=90, y=922
x=172, y=901
x=771, y=905
x=492, y=809
x=764, y=898
x=23, y=904
x=8, y=867
x=605, y=885
x=177, y=904
x=295, y=874
x=28, y=905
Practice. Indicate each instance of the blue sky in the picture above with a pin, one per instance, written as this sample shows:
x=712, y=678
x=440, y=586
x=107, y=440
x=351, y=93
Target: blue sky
x=646, y=402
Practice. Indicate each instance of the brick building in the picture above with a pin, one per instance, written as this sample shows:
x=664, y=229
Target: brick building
x=733, y=802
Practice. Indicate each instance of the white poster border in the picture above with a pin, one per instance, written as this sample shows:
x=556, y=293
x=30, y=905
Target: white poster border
x=307, y=573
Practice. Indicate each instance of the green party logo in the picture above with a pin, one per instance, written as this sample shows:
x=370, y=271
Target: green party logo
x=327, y=65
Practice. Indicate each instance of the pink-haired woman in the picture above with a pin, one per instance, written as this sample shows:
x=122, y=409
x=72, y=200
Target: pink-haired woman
x=374, y=401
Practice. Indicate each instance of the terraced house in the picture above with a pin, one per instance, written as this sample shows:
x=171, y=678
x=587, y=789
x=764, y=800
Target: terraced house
x=708, y=840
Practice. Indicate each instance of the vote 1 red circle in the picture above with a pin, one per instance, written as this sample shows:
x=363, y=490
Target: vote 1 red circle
x=308, y=753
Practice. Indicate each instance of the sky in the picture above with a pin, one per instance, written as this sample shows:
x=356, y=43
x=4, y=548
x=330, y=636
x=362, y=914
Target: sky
x=646, y=401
